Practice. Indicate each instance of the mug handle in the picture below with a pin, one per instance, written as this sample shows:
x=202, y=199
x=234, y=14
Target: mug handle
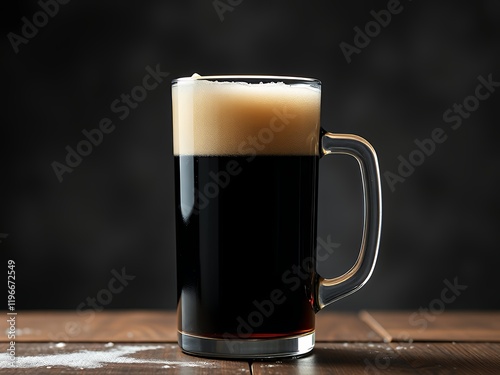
x=330, y=290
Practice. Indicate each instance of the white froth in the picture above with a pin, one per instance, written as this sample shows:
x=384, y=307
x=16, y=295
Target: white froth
x=235, y=118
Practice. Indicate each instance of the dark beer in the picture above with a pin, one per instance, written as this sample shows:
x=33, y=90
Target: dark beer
x=246, y=160
x=245, y=225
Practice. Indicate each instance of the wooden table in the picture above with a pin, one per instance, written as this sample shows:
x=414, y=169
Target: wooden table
x=144, y=342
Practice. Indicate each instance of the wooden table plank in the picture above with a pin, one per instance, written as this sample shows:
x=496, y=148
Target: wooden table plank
x=341, y=327
x=448, y=326
x=334, y=358
x=340, y=358
x=395, y=358
x=116, y=326
x=153, y=326
x=451, y=358
x=126, y=358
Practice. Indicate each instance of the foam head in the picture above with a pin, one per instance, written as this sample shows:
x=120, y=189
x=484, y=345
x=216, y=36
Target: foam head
x=238, y=118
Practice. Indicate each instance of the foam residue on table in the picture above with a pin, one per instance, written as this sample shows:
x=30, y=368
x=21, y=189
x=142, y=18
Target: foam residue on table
x=89, y=359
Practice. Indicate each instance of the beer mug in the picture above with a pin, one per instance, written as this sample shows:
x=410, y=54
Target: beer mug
x=246, y=151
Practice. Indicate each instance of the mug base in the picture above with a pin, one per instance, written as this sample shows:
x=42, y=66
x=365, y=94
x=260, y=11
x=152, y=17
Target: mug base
x=251, y=348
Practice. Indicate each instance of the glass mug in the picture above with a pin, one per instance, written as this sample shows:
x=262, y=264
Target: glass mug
x=246, y=151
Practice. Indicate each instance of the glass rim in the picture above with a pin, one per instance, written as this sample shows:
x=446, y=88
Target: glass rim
x=249, y=77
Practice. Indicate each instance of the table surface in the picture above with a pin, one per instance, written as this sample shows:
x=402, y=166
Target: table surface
x=145, y=342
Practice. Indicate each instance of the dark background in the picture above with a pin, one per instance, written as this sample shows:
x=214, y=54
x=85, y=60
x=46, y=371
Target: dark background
x=116, y=208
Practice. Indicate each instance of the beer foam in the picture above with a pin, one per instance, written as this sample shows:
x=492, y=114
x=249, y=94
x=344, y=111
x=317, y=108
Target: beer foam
x=239, y=118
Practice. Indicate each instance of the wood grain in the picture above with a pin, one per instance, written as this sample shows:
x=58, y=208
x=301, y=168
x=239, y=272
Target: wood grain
x=126, y=358
x=448, y=326
x=451, y=358
x=395, y=358
x=116, y=326
x=153, y=326
x=341, y=327
x=340, y=358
